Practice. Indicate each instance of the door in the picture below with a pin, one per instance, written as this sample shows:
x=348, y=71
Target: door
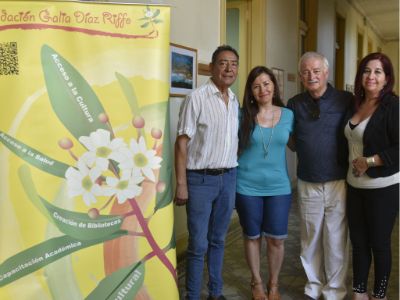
x=243, y=26
x=237, y=28
x=339, y=61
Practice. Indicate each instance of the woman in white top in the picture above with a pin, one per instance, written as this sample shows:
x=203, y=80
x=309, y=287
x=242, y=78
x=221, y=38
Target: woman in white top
x=372, y=133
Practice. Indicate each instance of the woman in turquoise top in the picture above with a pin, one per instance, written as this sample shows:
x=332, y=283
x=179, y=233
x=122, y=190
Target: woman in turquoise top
x=263, y=186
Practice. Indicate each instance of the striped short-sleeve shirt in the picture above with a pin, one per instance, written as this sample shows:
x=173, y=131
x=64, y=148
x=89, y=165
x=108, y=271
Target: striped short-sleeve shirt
x=212, y=127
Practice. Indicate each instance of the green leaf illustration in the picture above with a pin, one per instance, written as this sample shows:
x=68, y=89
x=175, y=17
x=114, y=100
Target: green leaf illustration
x=156, y=21
x=156, y=13
x=122, y=284
x=25, y=177
x=165, y=198
x=64, y=287
x=74, y=224
x=80, y=225
x=40, y=255
x=129, y=93
x=71, y=96
x=172, y=242
x=33, y=156
x=130, y=96
x=145, y=25
x=153, y=114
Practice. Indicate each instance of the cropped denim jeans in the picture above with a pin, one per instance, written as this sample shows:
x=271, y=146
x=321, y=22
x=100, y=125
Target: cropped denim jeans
x=209, y=210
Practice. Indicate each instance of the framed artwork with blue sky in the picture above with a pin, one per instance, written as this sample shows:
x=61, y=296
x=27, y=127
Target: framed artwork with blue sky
x=183, y=78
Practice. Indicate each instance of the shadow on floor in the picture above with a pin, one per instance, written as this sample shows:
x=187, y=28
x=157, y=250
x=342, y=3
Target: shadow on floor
x=292, y=277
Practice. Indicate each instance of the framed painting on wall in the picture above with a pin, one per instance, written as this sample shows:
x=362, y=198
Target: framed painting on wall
x=183, y=77
x=279, y=75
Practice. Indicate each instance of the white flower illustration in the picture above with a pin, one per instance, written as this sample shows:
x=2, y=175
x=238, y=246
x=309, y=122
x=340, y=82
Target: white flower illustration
x=125, y=187
x=102, y=149
x=82, y=181
x=143, y=159
x=148, y=14
x=135, y=163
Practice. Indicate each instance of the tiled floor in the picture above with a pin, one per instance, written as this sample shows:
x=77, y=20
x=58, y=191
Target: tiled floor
x=292, y=277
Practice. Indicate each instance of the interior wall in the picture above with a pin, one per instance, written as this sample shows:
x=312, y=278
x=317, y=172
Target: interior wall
x=350, y=56
x=282, y=41
x=355, y=23
x=282, y=53
x=326, y=36
x=391, y=49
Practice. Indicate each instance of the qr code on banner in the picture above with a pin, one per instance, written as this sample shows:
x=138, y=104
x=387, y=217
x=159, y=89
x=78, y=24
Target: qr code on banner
x=9, y=59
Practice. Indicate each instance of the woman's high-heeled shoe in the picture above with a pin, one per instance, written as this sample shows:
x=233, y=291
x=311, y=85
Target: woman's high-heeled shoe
x=273, y=292
x=257, y=291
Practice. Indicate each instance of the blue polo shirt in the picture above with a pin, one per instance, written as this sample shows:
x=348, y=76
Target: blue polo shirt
x=318, y=139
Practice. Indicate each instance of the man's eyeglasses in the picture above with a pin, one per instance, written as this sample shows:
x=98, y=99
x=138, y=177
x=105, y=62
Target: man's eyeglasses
x=313, y=109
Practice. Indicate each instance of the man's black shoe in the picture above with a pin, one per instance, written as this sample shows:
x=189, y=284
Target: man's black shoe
x=221, y=297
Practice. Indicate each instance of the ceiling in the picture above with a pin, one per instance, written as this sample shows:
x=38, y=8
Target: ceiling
x=382, y=15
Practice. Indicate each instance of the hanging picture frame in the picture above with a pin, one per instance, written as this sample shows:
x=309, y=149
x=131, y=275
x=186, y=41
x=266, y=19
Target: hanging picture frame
x=279, y=75
x=183, y=66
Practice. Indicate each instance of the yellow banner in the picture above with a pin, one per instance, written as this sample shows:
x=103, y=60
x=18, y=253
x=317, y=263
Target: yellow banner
x=85, y=154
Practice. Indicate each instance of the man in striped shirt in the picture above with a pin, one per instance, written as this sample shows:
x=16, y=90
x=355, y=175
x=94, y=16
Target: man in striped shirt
x=205, y=165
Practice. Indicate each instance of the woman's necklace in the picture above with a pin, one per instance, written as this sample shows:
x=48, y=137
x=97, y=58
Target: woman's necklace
x=266, y=147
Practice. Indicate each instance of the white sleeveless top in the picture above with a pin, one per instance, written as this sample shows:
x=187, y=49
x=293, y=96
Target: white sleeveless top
x=355, y=140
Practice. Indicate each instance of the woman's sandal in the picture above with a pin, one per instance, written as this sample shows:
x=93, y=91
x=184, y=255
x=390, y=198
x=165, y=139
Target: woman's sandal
x=273, y=292
x=360, y=296
x=257, y=291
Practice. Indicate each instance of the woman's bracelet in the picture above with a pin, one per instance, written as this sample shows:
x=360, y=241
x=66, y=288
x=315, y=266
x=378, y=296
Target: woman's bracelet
x=371, y=161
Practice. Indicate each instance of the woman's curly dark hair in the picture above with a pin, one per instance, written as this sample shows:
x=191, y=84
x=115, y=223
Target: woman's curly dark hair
x=387, y=66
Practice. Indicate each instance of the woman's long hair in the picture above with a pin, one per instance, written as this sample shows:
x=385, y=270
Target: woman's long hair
x=359, y=92
x=250, y=107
